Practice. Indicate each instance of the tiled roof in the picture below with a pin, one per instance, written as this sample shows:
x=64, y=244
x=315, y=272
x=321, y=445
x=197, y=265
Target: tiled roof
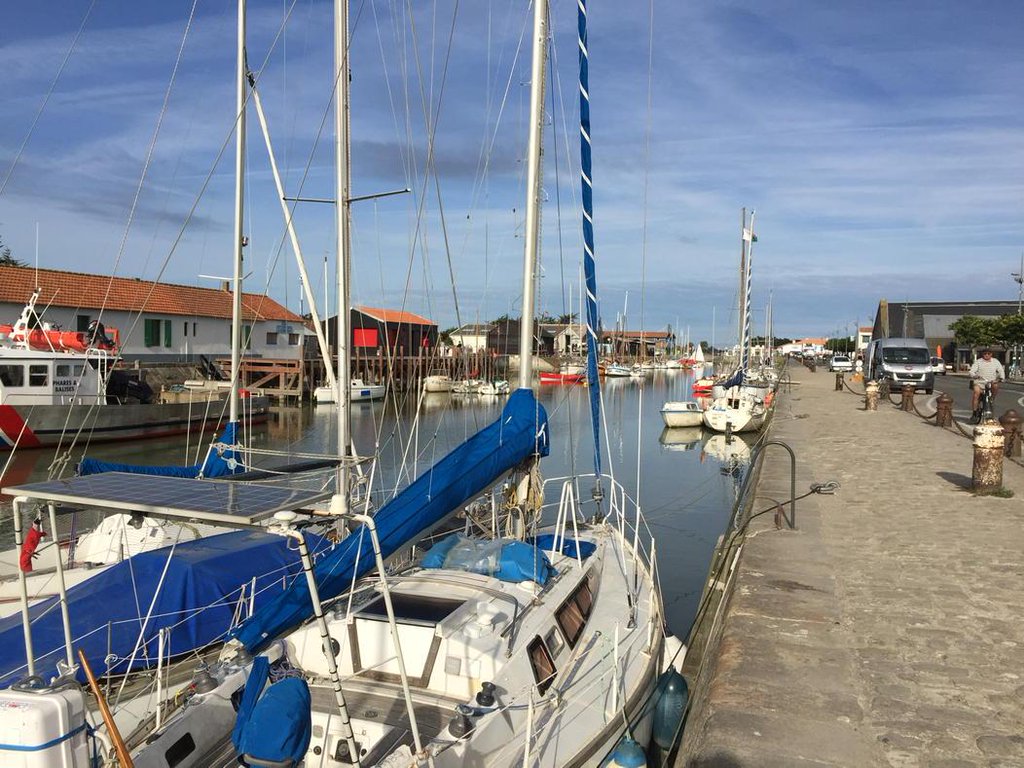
x=394, y=316
x=83, y=291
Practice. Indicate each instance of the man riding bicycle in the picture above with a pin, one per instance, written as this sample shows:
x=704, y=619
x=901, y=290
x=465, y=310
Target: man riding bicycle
x=986, y=370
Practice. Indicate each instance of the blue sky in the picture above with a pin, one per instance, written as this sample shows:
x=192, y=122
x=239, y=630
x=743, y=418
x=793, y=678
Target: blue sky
x=879, y=142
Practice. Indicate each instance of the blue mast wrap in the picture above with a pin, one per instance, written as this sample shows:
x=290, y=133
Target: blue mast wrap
x=589, y=266
x=219, y=461
x=521, y=432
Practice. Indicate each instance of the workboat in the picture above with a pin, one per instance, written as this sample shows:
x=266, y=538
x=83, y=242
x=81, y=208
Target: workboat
x=52, y=395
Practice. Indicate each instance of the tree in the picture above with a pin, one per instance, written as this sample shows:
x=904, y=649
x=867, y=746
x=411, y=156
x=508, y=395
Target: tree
x=445, y=336
x=567, y=319
x=971, y=331
x=6, y=259
x=1010, y=330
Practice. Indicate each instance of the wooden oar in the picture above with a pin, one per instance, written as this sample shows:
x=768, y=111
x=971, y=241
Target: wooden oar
x=108, y=719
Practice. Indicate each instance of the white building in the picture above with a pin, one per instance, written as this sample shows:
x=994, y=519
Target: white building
x=568, y=338
x=471, y=338
x=154, y=322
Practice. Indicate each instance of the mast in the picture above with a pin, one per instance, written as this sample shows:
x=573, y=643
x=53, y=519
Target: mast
x=340, y=502
x=740, y=316
x=589, y=264
x=749, y=238
x=533, y=190
x=236, y=299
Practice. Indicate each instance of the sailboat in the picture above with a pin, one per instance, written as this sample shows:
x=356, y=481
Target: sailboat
x=740, y=404
x=542, y=647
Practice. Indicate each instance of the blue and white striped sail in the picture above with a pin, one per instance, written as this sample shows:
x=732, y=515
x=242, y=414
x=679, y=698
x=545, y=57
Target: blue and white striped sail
x=589, y=267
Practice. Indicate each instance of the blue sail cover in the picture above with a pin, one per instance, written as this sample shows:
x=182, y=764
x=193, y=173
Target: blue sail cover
x=521, y=432
x=218, y=463
x=589, y=265
x=207, y=573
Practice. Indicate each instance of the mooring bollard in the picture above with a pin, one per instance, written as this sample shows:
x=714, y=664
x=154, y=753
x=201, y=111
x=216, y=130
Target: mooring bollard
x=839, y=381
x=871, y=396
x=944, y=410
x=884, y=388
x=987, y=473
x=1011, y=432
x=907, y=404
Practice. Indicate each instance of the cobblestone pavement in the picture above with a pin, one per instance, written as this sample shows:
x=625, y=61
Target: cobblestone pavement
x=888, y=629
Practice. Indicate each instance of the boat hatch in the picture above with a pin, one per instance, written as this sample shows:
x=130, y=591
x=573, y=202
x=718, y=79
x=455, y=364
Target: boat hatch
x=421, y=609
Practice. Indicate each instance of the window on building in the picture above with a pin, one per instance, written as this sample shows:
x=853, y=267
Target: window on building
x=168, y=331
x=186, y=329
x=38, y=375
x=293, y=339
x=12, y=375
x=193, y=330
x=543, y=665
x=272, y=338
x=246, y=336
x=82, y=323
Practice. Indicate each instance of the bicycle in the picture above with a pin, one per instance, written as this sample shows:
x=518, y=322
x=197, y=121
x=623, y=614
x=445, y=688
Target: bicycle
x=986, y=405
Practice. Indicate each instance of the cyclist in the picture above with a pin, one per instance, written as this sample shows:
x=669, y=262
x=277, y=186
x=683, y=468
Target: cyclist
x=986, y=370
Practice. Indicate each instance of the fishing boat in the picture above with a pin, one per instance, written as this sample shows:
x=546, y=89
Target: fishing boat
x=48, y=396
x=682, y=413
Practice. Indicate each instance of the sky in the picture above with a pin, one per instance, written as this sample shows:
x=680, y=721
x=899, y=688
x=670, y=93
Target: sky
x=880, y=144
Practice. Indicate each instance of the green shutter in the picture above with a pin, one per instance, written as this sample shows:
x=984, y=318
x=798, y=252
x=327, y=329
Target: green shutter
x=151, y=332
x=246, y=336
x=167, y=333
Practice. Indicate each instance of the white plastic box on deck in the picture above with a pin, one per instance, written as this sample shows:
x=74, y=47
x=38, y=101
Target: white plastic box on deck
x=43, y=730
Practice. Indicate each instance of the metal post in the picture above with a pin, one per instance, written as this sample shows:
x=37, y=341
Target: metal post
x=792, y=476
x=236, y=299
x=907, y=403
x=26, y=624
x=871, y=396
x=944, y=410
x=386, y=591
x=839, y=381
x=1011, y=426
x=325, y=638
x=61, y=590
x=987, y=470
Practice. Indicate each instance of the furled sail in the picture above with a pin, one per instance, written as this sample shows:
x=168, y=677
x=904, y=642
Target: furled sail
x=221, y=460
x=521, y=432
x=589, y=266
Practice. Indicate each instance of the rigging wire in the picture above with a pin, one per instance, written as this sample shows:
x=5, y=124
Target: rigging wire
x=46, y=98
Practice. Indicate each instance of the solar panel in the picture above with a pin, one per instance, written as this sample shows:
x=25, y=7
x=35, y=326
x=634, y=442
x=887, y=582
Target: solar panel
x=235, y=504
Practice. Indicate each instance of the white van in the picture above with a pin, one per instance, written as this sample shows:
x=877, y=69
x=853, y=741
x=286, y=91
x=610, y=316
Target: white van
x=900, y=361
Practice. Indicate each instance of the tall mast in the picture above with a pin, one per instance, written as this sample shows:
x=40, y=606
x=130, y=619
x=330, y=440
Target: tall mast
x=740, y=316
x=236, y=299
x=341, y=196
x=748, y=236
x=533, y=190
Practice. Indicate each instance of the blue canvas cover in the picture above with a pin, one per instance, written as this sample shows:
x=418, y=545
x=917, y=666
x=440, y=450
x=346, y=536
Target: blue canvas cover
x=504, y=559
x=520, y=432
x=201, y=573
x=254, y=685
x=281, y=726
x=216, y=463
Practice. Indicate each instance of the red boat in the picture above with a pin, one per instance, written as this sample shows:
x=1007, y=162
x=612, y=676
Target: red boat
x=554, y=377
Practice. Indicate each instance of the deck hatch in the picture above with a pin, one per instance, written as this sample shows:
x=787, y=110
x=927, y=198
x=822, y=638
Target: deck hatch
x=424, y=609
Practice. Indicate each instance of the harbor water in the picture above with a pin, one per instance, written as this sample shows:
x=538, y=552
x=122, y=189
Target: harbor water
x=688, y=479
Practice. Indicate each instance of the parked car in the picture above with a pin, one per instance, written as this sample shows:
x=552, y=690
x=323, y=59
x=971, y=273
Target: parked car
x=938, y=365
x=840, y=363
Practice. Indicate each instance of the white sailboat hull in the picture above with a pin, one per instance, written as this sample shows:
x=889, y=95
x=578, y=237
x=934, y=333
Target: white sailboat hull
x=684, y=413
x=724, y=418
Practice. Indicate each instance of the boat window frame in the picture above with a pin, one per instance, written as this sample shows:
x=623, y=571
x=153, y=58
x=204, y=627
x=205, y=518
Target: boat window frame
x=571, y=602
x=34, y=370
x=6, y=380
x=542, y=683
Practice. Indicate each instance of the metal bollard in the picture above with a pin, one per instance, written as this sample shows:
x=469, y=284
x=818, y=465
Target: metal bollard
x=1011, y=428
x=839, y=381
x=884, y=387
x=944, y=410
x=987, y=473
x=907, y=404
x=871, y=396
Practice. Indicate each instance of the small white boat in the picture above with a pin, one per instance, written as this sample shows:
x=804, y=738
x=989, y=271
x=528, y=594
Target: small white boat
x=637, y=372
x=360, y=391
x=616, y=370
x=494, y=388
x=673, y=365
x=742, y=409
x=467, y=387
x=682, y=413
x=437, y=382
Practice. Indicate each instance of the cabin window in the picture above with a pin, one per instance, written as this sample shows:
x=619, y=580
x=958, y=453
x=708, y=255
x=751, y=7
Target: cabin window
x=293, y=339
x=575, y=611
x=543, y=665
x=65, y=371
x=272, y=338
x=12, y=375
x=179, y=750
x=38, y=375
